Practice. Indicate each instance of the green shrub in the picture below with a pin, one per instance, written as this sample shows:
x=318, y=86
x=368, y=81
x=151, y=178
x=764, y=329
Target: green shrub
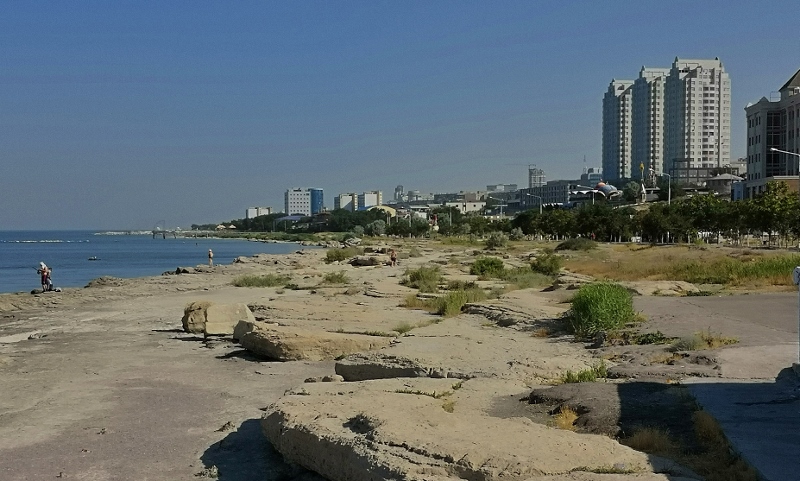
x=600, y=307
x=425, y=278
x=333, y=255
x=516, y=234
x=403, y=328
x=269, y=280
x=496, y=240
x=524, y=278
x=577, y=244
x=547, y=264
x=597, y=371
x=336, y=278
x=461, y=285
x=487, y=267
x=776, y=269
x=451, y=303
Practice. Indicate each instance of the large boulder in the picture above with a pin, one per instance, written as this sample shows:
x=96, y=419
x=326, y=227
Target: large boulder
x=286, y=343
x=214, y=319
x=438, y=429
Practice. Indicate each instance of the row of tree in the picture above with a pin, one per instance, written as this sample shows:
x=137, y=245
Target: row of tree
x=775, y=212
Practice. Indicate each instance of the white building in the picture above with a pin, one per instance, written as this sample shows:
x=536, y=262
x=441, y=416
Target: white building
x=253, y=212
x=697, y=126
x=346, y=202
x=773, y=123
x=617, y=119
x=303, y=201
x=465, y=207
x=647, y=129
x=370, y=199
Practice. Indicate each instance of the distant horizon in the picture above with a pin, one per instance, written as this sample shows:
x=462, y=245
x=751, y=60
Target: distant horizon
x=118, y=114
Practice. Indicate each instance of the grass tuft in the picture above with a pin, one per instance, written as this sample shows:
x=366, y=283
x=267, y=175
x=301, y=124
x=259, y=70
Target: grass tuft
x=336, y=278
x=268, y=280
x=403, y=328
x=592, y=374
x=600, y=307
x=652, y=441
x=451, y=303
x=577, y=244
x=565, y=418
x=426, y=278
x=334, y=255
x=487, y=267
x=449, y=405
x=703, y=340
x=547, y=263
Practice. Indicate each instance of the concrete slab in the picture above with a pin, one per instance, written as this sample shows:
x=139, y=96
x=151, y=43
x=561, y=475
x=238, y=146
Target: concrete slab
x=760, y=418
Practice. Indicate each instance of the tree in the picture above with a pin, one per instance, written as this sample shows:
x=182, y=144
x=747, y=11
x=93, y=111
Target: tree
x=376, y=228
x=631, y=191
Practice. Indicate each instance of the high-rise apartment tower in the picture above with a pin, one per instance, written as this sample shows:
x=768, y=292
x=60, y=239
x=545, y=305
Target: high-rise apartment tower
x=617, y=116
x=697, y=127
x=647, y=130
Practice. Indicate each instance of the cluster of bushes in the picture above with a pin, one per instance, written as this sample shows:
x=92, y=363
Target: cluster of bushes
x=426, y=278
x=334, y=255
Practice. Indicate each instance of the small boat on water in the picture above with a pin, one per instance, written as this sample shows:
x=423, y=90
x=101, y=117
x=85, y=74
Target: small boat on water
x=94, y=258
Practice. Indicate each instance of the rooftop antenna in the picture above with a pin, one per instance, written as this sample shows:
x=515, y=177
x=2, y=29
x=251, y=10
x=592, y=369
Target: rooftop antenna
x=584, y=165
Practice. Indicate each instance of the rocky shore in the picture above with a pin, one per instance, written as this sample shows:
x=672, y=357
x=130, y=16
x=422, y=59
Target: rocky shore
x=321, y=379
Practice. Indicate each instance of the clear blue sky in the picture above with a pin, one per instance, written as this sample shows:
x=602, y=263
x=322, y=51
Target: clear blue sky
x=121, y=114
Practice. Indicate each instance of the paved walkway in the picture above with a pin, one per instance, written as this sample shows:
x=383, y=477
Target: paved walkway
x=757, y=399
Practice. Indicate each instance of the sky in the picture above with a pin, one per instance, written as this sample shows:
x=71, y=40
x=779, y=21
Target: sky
x=124, y=115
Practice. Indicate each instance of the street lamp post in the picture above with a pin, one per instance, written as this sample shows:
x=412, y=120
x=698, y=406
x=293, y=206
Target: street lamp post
x=501, y=205
x=540, y=201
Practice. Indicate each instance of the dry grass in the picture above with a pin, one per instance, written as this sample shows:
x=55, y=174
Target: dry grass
x=664, y=358
x=683, y=262
x=449, y=405
x=565, y=418
x=541, y=332
x=652, y=441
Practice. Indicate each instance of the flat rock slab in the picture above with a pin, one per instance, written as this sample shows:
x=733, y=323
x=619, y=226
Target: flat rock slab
x=214, y=319
x=285, y=343
x=661, y=288
x=403, y=429
x=464, y=348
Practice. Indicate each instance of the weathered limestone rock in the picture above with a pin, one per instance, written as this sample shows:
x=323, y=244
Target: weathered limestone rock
x=285, y=343
x=366, y=261
x=661, y=288
x=243, y=327
x=214, y=319
x=570, y=280
x=375, y=365
x=429, y=429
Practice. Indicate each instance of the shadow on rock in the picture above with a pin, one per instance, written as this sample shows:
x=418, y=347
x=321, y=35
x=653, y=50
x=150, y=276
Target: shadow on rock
x=245, y=455
x=245, y=355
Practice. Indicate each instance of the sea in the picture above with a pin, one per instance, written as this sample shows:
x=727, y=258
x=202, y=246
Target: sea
x=118, y=254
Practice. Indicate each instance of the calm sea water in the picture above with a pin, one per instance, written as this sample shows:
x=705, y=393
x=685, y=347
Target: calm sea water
x=67, y=253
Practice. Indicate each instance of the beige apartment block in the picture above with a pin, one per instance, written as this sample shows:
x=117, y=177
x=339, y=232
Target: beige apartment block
x=617, y=122
x=647, y=132
x=697, y=127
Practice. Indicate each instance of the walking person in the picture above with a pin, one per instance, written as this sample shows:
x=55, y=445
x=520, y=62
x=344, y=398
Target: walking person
x=392, y=258
x=210, y=258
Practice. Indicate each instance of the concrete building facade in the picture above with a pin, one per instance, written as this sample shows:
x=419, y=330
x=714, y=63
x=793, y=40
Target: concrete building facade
x=370, y=199
x=617, y=120
x=647, y=129
x=346, y=202
x=773, y=123
x=253, y=212
x=697, y=128
x=303, y=201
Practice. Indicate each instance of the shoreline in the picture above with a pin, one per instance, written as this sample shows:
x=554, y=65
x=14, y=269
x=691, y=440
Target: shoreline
x=136, y=386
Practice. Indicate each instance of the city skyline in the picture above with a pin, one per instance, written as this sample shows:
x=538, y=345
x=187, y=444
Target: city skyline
x=118, y=117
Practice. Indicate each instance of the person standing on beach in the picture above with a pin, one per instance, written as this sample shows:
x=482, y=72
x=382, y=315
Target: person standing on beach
x=210, y=258
x=44, y=272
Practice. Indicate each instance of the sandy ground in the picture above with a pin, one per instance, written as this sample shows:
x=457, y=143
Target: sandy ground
x=101, y=384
